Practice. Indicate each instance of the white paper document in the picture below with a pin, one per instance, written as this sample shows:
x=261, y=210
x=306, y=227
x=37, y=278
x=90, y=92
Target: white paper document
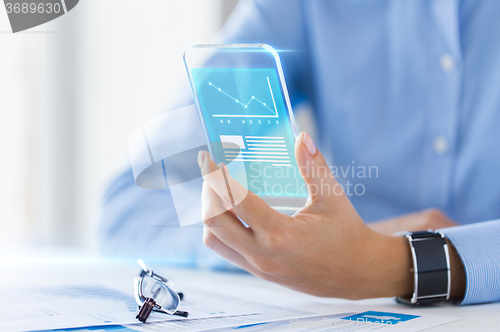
x=353, y=321
x=107, y=309
x=77, y=306
x=274, y=320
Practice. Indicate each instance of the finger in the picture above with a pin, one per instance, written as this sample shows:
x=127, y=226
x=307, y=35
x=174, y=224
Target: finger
x=212, y=242
x=218, y=179
x=223, y=223
x=434, y=219
x=248, y=206
x=318, y=177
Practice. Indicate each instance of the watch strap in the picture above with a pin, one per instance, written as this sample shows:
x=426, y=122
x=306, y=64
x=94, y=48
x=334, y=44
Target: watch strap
x=431, y=268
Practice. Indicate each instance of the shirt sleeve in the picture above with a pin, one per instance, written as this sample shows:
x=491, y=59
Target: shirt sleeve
x=478, y=247
x=141, y=223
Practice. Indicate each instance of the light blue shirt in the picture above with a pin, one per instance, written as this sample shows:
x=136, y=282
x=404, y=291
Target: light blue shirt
x=408, y=88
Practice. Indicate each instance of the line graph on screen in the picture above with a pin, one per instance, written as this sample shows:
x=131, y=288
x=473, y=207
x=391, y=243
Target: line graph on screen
x=249, y=105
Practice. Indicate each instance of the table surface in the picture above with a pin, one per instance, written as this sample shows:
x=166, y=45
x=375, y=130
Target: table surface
x=62, y=266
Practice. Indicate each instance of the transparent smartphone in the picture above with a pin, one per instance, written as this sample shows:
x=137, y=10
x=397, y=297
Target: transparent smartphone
x=245, y=111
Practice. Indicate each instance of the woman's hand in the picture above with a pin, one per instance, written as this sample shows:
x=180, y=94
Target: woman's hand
x=325, y=249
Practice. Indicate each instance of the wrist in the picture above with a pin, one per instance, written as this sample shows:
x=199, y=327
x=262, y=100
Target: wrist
x=400, y=277
x=457, y=289
x=391, y=267
x=440, y=275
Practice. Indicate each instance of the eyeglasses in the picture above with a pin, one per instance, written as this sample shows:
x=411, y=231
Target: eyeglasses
x=154, y=293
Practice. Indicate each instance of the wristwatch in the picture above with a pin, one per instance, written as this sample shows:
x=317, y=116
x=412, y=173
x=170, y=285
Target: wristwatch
x=431, y=268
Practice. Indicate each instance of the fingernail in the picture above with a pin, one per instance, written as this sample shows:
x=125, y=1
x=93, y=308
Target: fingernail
x=309, y=144
x=201, y=158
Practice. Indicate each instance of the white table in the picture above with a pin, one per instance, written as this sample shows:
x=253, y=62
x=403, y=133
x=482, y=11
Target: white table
x=62, y=267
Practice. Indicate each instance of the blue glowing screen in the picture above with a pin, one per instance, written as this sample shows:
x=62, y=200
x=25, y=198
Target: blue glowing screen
x=244, y=107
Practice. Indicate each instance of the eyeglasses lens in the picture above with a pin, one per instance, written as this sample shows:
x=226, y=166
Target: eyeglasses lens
x=163, y=296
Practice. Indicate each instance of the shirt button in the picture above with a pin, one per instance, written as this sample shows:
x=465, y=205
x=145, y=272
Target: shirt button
x=440, y=145
x=447, y=63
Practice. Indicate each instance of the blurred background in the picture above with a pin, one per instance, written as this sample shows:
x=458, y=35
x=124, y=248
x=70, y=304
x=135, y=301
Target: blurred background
x=71, y=91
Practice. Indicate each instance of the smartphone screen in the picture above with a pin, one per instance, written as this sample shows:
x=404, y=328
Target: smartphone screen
x=244, y=109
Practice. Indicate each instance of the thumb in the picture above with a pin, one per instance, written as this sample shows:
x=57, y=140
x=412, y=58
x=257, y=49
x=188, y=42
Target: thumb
x=318, y=177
